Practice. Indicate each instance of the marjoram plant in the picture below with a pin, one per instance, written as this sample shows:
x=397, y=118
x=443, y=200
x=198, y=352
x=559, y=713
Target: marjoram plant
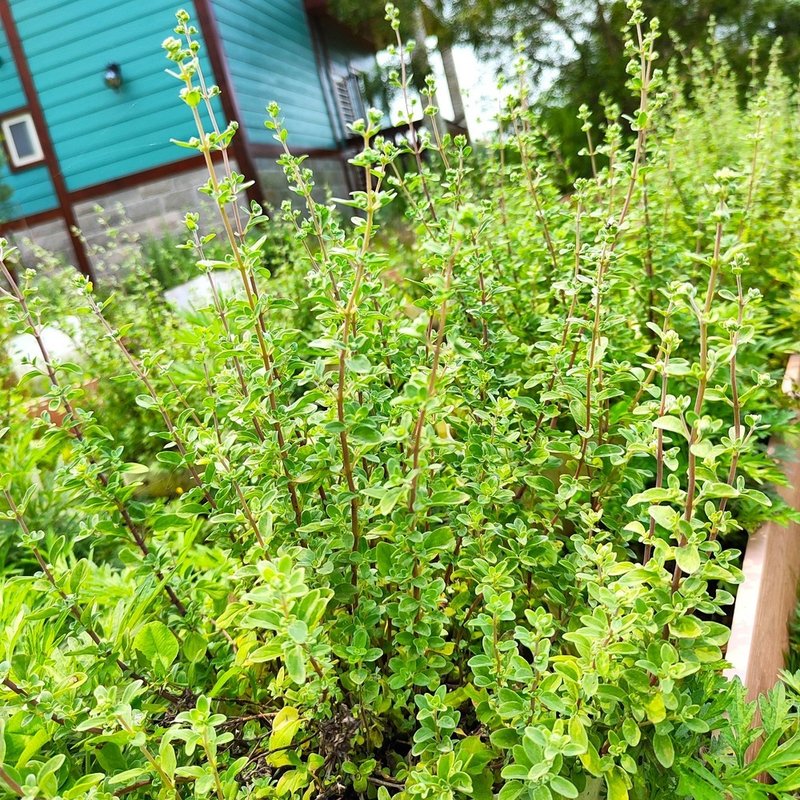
x=462, y=516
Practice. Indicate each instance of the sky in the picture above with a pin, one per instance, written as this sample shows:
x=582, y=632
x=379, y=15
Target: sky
x=478, y=88
x=478, y=81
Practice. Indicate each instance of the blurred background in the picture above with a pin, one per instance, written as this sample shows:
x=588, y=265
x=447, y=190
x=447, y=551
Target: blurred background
x=574, y=47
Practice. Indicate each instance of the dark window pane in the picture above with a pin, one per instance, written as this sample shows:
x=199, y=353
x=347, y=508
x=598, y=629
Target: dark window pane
x=20, y=132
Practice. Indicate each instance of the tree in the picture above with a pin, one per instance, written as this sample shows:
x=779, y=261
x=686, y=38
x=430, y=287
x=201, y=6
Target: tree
x=581, y=40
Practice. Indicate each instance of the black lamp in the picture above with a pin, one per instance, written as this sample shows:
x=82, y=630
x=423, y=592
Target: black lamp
x=113, y=76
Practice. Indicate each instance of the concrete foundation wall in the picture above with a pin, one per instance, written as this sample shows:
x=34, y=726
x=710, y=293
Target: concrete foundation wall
x=153, y=210
x=329, y=176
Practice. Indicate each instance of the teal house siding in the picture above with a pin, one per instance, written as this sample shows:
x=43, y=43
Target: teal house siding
x=31, y=189
x=100, y=134
x=31, y=192
x=12, y=96
x=101, y=144
x=270, y=56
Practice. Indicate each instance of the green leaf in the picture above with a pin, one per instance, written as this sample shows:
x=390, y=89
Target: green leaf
x=673, y=425
x=616, y=784
x=134, y=468
x=757, y=497
x=631, y=732
x=165, y=522
x=562, y=786
x=366, y=434
x=156, y=642
x=688, y=558
x=591, y=761
x=128, y=776
x=448, y=498
x=298, y=631
x=166, y=754
x=511, y=790
x=664, y=516
x=145, y=401
x=577, y=733
x=389, y=499
x=284, y=728
x=359, y=364
x=504, y=738
x=655, y=709
x=664, y=750
x=169, y=457
x=654, y=495
x=718, y=489
x=697, y=787
x=194, y=647
x=686, y=627
x=296, y=664
x=384, y=555
x=439, y=539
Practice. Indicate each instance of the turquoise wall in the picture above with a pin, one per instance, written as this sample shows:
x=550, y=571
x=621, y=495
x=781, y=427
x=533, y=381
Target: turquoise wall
x=12, y=95
x=31, y=189
x=100, y=134
x=270, y=57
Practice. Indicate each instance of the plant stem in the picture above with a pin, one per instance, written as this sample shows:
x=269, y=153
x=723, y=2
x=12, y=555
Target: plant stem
x=12, y=785
x=165, y=416
x=74, y=609
x=251, y=291
x=735, y=402
x=412, y=130
x=662, y=409
x=701, y=391
x=348, y=324
x=437, y=351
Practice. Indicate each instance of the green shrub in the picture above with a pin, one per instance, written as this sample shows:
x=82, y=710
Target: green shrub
x=461, y=517
x=170, y=263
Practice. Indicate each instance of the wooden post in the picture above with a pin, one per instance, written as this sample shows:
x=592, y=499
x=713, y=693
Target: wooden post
x=230, y=104
x=766, y=600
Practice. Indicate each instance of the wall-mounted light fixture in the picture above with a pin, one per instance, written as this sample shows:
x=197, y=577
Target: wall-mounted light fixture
x=113, y=76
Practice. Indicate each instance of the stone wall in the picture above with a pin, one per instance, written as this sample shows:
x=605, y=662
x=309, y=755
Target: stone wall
x=157, y=208
x=151, y=210
x=329, y=176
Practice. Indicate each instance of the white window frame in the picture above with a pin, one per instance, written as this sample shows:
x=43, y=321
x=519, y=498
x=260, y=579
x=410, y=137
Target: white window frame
x=18, y=161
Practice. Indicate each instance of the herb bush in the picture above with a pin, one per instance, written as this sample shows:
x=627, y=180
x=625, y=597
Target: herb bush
x=462, y=517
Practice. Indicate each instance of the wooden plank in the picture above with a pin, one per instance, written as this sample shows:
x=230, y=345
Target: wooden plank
x=766, y=600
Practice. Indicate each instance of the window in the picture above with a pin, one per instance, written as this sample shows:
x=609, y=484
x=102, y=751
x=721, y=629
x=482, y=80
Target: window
x=21, y=140
x=349, y=98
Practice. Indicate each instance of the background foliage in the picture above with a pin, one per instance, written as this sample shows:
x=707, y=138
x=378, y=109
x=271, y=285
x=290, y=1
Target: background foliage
x=576, y=49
